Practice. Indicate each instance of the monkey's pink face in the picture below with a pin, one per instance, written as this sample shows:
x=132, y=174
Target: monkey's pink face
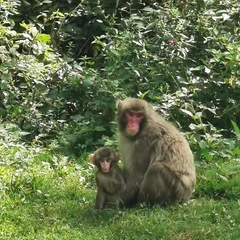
x=133, y=122
x=105, y=166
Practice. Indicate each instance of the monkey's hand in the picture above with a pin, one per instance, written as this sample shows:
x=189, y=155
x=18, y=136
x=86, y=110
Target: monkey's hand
x=130, y=195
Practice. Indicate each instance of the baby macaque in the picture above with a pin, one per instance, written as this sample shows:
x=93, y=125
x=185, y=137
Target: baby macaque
x=109, y=178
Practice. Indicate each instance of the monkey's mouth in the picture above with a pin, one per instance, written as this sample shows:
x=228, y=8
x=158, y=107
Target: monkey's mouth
x=132, y=131
x=105, y=170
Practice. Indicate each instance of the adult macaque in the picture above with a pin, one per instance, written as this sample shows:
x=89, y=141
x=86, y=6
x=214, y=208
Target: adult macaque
x=157, y=160
x=109, y=178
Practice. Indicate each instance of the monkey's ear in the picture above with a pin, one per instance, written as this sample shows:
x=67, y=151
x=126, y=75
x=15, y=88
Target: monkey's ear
x=91, y=158
x=116, y=158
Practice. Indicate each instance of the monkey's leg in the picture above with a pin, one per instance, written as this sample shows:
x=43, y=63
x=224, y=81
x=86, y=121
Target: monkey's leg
x=162, y=186
x=100, y=199
x=111, y=202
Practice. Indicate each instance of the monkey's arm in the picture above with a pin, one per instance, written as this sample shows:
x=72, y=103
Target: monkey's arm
x=114, y=186
x=133, y=181
x=116, y=182
x=100, y=199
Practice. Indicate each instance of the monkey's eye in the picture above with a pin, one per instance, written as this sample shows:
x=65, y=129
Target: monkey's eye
x=105, y=159
x=130, y=114
x=134, y=114
x=138, y=115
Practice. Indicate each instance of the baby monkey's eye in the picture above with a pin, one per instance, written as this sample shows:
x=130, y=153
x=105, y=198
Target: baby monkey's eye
x=105, y=160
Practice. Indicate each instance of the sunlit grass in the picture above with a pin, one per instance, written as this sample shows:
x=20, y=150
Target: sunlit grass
x=45, y=196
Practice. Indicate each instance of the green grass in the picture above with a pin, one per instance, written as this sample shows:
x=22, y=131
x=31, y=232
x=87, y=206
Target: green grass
x=44, y=196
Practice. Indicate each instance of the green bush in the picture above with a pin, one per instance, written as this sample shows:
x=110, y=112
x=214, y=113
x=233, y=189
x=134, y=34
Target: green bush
x=45, y=93
x=182, y=57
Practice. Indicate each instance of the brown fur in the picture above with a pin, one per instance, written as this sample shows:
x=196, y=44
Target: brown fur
x=109, y=185
x=157, y=161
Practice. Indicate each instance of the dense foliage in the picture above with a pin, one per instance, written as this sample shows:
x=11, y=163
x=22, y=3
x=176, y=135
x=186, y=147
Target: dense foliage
x=65, y=63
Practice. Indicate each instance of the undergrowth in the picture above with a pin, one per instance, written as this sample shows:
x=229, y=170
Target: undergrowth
x=49, y=196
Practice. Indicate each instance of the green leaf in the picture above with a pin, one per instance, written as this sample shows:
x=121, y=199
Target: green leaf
x=150, y=25
x=99, y=129
x=198, y=68
x=235, y=127
x=193, y=126
x=223, y=177
x=207, y=70
x=207, y=156
x=44, y=38
x=202, y=144
x=77, y=118
x=225, y=16
x=236, y=151
x=24, y=25
x=186, y=112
